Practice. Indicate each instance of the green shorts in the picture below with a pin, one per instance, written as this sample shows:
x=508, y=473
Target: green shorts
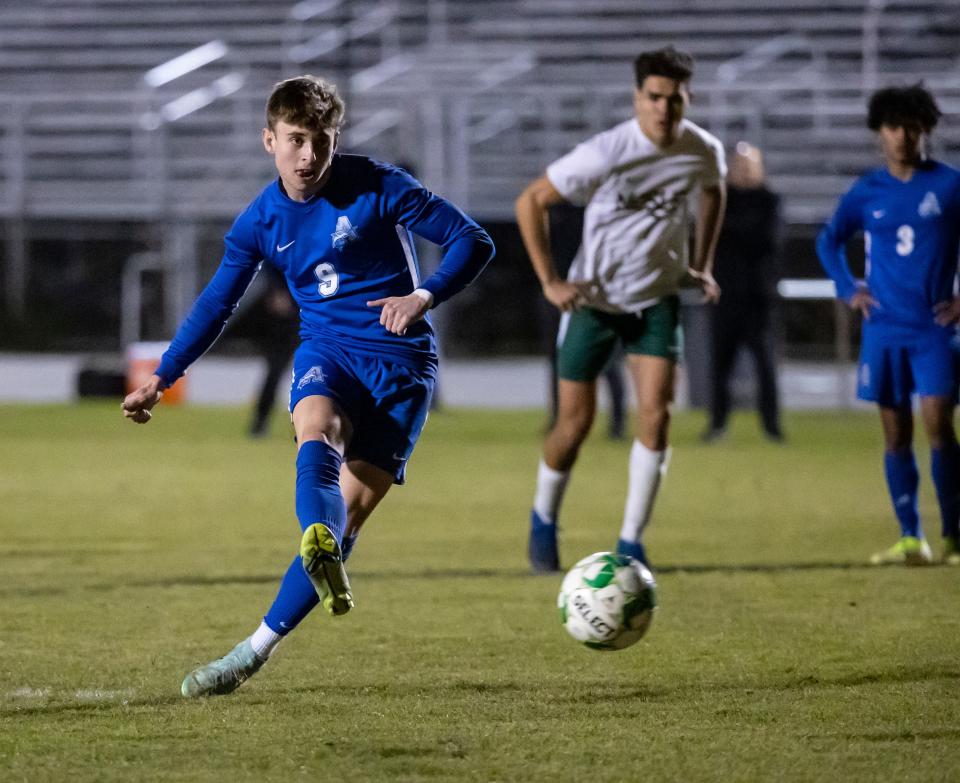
x=588, y=337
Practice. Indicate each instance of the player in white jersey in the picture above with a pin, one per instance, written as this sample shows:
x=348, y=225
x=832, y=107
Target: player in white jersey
x=635, y=181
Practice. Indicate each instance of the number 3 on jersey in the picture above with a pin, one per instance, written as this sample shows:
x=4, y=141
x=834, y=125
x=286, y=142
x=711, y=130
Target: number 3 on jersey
x=905, y=240
x=329, y=280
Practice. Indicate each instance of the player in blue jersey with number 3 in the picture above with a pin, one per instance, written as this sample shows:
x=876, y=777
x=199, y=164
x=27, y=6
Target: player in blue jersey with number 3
x=338, y=227
x=909, y=213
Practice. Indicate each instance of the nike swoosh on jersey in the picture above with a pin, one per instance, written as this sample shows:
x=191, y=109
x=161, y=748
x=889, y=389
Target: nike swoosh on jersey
x=281, y=249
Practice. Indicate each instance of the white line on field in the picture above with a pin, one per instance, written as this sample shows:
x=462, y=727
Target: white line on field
x=97, y=694
x=85, y=695
x=27, y=692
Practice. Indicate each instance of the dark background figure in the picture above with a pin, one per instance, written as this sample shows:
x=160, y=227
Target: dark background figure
x=566, y=233
x=271, y=322
x=747, y=269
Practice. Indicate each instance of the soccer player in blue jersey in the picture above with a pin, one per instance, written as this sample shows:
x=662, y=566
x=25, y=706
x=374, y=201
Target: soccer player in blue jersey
x=338, y=227
x=909, y=213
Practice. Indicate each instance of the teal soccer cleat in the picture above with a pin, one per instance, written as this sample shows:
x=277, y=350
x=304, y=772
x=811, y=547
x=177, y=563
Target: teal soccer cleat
x=323, y=561
x=223, y=675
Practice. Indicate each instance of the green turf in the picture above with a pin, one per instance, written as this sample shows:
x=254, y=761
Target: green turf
x=130, y=554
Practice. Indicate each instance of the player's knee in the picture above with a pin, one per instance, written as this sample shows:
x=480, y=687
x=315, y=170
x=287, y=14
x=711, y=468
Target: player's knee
x=942, y=438
x=329, y=430
x=574, y=426
x=897, y=446
x=653, y=423
x=938, y=424
x=654, y=416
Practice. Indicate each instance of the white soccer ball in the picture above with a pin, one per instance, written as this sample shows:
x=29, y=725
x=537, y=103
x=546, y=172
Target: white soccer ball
x=607, y=601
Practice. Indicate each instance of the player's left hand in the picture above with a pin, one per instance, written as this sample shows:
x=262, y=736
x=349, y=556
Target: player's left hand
x=705, y=282
x=947, y=313
x=399, y=312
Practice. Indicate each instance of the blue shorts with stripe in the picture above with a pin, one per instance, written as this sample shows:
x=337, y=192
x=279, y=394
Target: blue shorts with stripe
x=387, y=403
x=897, y=363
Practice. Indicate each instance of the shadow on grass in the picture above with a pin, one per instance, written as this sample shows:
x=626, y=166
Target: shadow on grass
x=199, y=580
x=583, y=693
x=905, y=736
x=900, y=675
x=507, y=573
x=72, y=551
x=587, y=692
x=747, y=568
x=591, y=691
x=62, y=705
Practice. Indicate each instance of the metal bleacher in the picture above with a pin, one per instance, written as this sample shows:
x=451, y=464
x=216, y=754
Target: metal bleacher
x=149, y=113
x=476, y=96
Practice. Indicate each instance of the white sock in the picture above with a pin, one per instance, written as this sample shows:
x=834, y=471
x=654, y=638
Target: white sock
x=551, y=485
x=646, y=469
x=264, y=641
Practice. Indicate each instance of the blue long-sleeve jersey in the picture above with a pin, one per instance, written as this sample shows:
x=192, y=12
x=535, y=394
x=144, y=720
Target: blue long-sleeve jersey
x=347, y=245
x=911, y=235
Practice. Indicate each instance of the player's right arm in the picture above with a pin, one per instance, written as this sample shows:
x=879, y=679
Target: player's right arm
x=847, y=220
x=532, y=208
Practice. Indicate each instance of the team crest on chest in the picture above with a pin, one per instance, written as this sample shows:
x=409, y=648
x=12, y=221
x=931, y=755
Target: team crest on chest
x=929, y=206
x=656, y=203
x=344, y=233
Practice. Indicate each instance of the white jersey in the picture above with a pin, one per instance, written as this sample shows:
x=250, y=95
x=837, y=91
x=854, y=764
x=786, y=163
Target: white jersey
x=635, y=232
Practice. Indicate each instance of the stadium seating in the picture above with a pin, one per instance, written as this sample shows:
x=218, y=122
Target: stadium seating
x=476, y=97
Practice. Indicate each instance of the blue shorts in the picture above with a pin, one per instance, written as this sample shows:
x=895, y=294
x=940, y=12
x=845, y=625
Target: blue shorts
x=387, y=403
x=893, y=366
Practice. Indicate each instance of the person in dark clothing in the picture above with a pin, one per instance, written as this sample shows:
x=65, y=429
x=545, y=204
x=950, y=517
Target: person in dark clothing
x=747, y=266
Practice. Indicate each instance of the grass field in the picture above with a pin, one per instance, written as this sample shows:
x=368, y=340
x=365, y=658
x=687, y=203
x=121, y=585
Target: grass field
x=130, y=554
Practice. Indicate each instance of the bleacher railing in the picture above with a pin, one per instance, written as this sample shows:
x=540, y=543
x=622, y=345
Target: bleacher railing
x=103, y=155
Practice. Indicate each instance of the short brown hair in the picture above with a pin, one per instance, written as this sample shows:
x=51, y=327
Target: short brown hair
x=307, y=101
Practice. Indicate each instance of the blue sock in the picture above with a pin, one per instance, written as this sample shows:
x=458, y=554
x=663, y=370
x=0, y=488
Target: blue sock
x=296, y=597
x=318, y=487
x=318, y=500
x=945, y=468
x=902, y=481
